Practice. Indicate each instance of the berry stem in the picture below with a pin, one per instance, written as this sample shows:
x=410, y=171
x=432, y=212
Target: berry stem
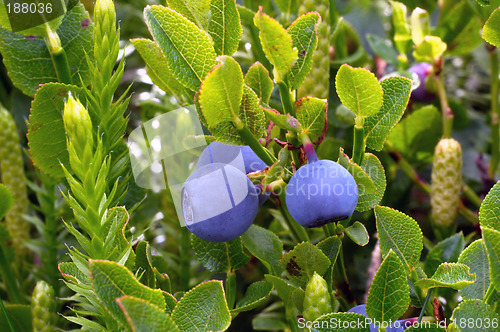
x=298, y=232
x=446, y=111
x=359, y=142
x=429, y=294
x=309, y=148
x=495, y=128
x=253, y=143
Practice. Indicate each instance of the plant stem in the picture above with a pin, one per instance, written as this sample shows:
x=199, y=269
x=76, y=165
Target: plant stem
x=429, y=293
x=495, y=129
x=340, y=280
x=254, y=144
x=61, y=65
x=446, y=111
x=185, y=258
x=471, y=195
x=286, y=99
x=231, y=289
x=298, y=232
x=359, y=142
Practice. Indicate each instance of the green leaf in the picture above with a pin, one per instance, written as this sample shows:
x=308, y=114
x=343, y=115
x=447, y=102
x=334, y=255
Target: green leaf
x=301, y=263
x=143, y=264
x=420, y=25
x=475, y=256
x=430, y=49
x=289, y=293
x=492, y=240
x=189, y=50
x=70, y=272
x=257, y=78
x=157, y=67
x=450, y=275
x=489, y=213
x=276, y=43
x=311, y=113
x=358, y=233
x=330, y=247
x=287, y=6
x=383, y=49
x=402, y=35
x=6, y=200
x=19, y=317
x=389, y=294
x=220, y=257
x=46, y=133
x=359, y=90
x=446, y=251
x=250, y=113
x=305, y=39
x=203, y=308
x=397, y=92
x=195, y=11
x=29, y=62
x=416, y=136
x=344, y=322
x=363, y=180
x=373, y=167
x=221, y=92
x=264, y=323
x=225, y=26
x=256, y=295
x=491, y=30
x=111, y=280
x=266, y=246
x=145, y=317
x=400, y=233
x=475, y=315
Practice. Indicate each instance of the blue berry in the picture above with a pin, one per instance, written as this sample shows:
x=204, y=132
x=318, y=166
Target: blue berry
x=420, y=94
x=398, y=326
x=241, y=157
x=219, y=202
x=321, y=192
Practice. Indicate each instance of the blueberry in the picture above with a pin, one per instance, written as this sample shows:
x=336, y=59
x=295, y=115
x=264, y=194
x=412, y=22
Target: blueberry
x=420, y=94
x=219, y=202
x=321, y=192
x=398, y=326
x=241, y=157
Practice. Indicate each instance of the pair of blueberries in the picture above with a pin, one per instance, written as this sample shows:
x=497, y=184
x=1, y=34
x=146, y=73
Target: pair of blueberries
x=219, y=202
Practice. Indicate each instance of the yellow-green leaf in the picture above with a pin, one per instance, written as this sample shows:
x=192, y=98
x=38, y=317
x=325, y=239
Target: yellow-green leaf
x=225, y=26
x=450, y=275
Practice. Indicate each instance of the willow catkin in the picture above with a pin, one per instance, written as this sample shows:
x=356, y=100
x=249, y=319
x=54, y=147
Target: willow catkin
x=317, y=82
x=43, y=308
x=13, y=177
x=445, y=186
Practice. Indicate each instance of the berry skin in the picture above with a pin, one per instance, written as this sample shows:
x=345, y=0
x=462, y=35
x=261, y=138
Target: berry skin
x=420, y=94
x=398, y=326
x=241, y=157
x=219, y=202
x=321, y=192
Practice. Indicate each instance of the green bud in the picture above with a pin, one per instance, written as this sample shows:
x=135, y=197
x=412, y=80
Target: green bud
x=43, y=308
x=52, y=40
x=77, y=124
x=105, y=14
x=445, y=186
x=317, y=300
x=317, y=81
x=13, y=177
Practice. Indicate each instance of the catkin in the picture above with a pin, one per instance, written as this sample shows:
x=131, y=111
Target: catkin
x=445, y=186
x=317, y=82
x=13, y=177
x=317, y=299
x=43, y=308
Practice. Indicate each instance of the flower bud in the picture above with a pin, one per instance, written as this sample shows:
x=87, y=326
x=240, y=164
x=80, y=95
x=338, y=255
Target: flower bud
x=445, y=186
x=317, y=300
x=104, y=14
x=52, y=40
x=43, y=307
x=77, y=124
